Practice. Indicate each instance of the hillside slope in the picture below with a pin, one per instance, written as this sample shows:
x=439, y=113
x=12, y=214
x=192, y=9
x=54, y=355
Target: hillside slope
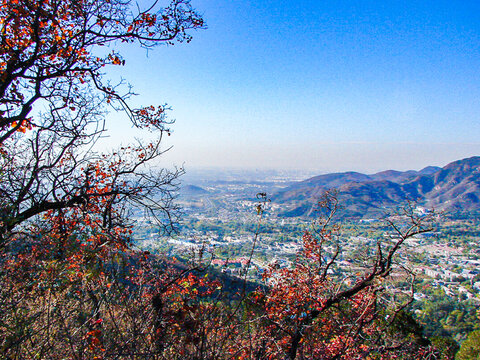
x=455, y=187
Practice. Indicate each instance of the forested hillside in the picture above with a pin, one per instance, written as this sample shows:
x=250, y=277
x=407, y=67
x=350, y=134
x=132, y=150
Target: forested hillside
x=453, y=188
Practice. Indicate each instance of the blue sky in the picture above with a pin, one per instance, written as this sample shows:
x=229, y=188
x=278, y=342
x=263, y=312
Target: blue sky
x=320, y=85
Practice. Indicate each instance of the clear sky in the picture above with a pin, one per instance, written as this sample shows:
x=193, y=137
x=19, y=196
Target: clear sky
x=331, y=85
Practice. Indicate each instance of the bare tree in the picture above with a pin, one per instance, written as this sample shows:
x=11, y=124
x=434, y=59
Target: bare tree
x=310, y=312
x=53, y=101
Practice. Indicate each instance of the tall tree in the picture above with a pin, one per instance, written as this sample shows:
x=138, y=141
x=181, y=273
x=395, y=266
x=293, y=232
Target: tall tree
x=64, y=229
x=53, y=100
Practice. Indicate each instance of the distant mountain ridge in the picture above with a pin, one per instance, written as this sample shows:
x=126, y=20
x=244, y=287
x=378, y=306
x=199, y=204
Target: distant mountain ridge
x=455, y=187
x=192, y=190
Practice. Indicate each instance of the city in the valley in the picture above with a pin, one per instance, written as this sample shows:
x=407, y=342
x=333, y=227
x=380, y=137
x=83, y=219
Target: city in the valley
x=234, y=222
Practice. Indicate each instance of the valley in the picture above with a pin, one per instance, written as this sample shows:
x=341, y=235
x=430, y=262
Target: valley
x=221, y=220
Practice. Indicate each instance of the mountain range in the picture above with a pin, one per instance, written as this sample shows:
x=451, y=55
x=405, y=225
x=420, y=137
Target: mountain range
x=453, y=188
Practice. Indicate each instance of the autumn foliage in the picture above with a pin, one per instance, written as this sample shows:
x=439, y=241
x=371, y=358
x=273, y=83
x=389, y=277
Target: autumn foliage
x=77, y=291
x=54, y=98
x=72, y=286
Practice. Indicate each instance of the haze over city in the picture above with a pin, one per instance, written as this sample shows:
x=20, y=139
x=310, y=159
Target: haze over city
x=327, y=86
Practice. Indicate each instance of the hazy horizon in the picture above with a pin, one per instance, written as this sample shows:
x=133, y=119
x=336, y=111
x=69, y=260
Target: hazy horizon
x=333, y=86
x=196, y=170
x=336, y=159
